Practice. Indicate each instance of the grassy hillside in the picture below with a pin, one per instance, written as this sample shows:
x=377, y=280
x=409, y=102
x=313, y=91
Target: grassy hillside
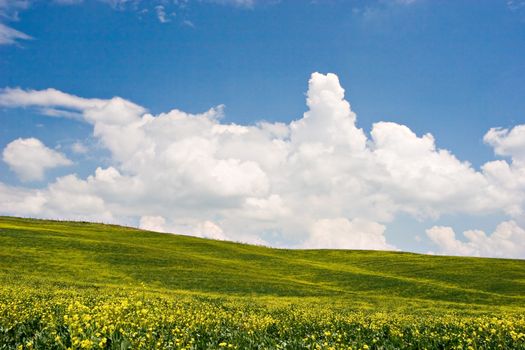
x=67, y=285
x=84, y=255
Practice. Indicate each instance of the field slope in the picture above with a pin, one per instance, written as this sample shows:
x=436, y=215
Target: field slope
x=85, y=255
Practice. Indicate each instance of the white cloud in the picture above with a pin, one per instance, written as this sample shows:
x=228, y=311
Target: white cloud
x=318, y=181
x=508, y=240
x=9, y=35
x=509, y=143
x=209, y=229
x=405, y=2
x=119, y=3
x=9, y=10
x=515, y=5
x=152, y=223
x=508, y=179
x=161, y=14
x=21, y=202
x=239, y=3
x=163, y=9
x=188, y=23
x=205, y=229
x=46, y=98
x=30, y=158
x=79, y=148
x=341, y=233
x=68, y=2
x=445, y=238
x=426, y=181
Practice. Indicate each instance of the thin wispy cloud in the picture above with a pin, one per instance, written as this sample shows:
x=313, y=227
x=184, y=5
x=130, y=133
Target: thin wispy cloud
x=9, y=35
x=238, y=3
x=516, y=5
x=9, y=12
x=164, y=11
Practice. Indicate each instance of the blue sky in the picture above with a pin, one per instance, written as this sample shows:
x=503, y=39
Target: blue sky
x=452, y=69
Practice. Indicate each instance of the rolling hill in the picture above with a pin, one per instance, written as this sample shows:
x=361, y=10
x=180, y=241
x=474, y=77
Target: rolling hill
x=80, y=255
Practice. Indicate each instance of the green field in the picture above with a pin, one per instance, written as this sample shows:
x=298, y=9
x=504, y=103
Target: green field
x=143, y=286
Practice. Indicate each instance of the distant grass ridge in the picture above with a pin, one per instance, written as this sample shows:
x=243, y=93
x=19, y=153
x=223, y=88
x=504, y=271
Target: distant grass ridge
x=85, y=255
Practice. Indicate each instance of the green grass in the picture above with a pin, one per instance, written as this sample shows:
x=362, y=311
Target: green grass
x=46, y=254
x=70, y=285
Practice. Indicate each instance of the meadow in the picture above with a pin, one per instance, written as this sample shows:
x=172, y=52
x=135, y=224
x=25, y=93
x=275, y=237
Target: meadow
x=70, y=285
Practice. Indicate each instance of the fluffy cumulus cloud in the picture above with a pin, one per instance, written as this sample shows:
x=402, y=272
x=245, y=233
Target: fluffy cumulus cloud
x=508, y=177
x=508, y=240
x=509, y=143
x=29, y=158
x=205, y=229
x=318, y=182
x=341, y=233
